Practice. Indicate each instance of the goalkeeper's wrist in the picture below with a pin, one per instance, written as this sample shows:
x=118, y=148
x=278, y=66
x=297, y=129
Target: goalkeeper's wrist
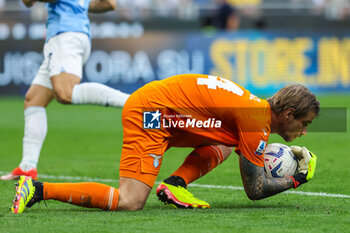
x=299, y=179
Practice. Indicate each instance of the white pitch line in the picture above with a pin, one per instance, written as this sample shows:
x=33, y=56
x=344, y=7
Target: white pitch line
x=287, y=192
x=84, y=178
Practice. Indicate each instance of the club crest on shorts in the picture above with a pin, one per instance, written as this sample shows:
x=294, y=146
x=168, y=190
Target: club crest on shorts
x=151, y=120
x=156, y=159
x=261, y=147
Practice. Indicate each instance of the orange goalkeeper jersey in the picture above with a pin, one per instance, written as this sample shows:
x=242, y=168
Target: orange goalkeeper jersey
x=204, y=109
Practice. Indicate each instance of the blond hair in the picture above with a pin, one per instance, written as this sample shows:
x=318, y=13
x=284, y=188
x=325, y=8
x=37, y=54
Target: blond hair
x=297, y=97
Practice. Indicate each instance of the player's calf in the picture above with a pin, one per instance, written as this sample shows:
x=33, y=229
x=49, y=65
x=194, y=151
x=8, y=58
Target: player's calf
x=133, y=194
x=63, y=85
x=63, y=96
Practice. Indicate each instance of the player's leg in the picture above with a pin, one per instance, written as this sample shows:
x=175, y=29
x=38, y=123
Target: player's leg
x=201, y=161
x=139, y=166
x=69, y=90
x=38, y=96
x=135, y=186
x=198, y=163
x=63, y=85
x=69, y=52
x=35, y=125
x=141, y=158
x=142, y=155
x=131, y=195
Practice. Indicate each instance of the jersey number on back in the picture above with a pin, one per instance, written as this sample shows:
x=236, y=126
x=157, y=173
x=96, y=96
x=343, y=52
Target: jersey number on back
x=214, y=82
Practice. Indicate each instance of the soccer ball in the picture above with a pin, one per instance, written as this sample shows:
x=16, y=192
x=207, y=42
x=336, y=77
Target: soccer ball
x=279, y=161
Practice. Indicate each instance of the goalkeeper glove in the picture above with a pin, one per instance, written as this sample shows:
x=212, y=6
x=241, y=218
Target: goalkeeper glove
x=307, y=165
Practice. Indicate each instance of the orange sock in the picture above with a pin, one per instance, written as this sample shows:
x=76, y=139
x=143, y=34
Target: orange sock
x=201, y=161
x=90, y=195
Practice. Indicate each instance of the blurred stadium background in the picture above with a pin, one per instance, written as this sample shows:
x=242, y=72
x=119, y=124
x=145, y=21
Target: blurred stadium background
x=267, y=43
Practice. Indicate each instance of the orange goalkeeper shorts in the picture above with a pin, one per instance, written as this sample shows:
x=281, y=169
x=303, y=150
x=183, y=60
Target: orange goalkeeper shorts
x=143, y=149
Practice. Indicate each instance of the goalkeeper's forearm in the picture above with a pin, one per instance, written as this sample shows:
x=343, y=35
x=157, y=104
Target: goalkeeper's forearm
x=256, y=185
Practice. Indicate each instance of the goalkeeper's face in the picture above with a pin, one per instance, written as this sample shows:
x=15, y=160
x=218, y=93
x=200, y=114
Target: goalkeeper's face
x=291, y=128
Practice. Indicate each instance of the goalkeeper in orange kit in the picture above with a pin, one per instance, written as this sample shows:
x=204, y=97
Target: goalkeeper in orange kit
x=208, y=113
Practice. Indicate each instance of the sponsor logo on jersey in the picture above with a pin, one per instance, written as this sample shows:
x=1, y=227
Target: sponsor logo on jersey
x=261, y=147
x=151, y=120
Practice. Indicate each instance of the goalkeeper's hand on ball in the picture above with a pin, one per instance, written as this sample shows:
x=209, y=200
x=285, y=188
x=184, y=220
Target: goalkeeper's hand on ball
x=307, y=165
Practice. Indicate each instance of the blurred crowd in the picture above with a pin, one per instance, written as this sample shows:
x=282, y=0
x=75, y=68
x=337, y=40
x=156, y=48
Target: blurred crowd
x=193, y=9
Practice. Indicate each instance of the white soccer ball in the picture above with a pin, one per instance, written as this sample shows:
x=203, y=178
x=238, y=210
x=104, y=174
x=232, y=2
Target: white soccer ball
x=279, y=161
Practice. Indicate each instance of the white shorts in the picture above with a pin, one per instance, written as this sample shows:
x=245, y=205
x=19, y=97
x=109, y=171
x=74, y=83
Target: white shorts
x=65, y=52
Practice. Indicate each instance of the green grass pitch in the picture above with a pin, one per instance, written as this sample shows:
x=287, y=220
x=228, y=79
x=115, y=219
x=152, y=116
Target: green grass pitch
x=85, y=141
